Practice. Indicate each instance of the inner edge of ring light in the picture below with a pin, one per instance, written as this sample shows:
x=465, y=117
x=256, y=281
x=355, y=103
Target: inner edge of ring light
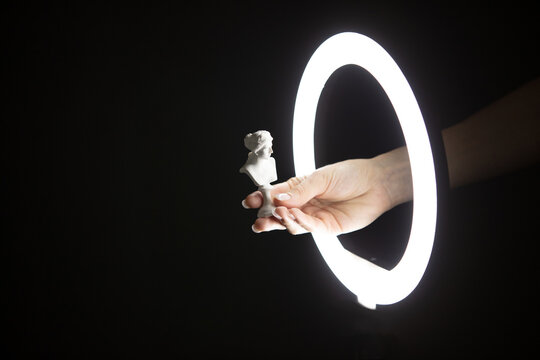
x=370, y=283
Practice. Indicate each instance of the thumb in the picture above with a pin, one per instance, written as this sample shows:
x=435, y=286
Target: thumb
x=302, y=189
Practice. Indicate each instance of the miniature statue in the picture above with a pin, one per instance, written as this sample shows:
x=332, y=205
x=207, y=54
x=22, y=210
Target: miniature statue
x=261, y=167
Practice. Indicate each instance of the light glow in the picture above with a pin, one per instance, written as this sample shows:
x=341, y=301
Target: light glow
x=371, y=284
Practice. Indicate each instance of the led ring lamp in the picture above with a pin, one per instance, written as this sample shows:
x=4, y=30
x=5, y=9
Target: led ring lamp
x=371, y=284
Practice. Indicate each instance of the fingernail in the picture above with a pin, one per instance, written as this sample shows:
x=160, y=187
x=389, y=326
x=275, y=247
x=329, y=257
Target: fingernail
x=244, y=205
x=283, y=196
x=276, y=215
x=254, y=230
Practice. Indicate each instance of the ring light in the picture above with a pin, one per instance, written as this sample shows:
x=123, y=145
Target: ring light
x=371, y=284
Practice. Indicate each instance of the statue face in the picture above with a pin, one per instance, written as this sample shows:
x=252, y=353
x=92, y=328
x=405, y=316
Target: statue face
x=265, y=152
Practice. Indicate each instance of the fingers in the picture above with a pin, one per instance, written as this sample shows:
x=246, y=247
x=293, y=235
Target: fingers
x=282, y=219
x=267, y=224
x=302, y=189
x=298, y=222
x=295, y=221
x=255, y=199
x=307, y=222
x=288, y=196
x=287, y=219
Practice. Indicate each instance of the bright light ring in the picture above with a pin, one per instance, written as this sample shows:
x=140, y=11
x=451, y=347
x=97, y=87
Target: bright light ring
x=370, y=283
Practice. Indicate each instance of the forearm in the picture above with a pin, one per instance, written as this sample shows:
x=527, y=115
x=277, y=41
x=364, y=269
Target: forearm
x=500, y=138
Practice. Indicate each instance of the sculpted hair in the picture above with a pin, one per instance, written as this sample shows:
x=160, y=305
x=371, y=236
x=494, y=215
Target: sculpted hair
x=258, y=140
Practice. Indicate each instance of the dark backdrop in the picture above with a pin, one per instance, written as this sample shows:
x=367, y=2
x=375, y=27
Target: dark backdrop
x=123, y=231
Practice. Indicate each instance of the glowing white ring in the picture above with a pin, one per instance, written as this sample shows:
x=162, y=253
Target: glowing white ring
x=370, y=283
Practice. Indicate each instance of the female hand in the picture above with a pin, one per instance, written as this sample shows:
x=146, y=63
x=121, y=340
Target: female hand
x=338, y=198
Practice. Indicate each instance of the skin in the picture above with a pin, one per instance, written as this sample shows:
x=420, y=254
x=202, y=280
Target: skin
x=502, y=137
x=327, y=201
x=498, y=139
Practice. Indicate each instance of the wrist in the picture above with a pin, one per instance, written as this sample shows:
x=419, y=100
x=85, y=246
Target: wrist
x=396, y=178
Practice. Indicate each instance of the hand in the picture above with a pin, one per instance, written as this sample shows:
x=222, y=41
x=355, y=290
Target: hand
x=338, y=198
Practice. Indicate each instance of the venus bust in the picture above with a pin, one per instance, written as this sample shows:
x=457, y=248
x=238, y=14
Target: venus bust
x=260, y=166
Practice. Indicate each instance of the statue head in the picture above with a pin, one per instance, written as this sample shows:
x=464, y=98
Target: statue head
x=259, y=143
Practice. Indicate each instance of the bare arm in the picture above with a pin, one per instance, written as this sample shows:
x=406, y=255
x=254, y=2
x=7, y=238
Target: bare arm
x=500, y=138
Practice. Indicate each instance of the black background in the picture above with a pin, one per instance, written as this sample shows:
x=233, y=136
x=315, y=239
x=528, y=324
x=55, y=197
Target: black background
x=123, y=231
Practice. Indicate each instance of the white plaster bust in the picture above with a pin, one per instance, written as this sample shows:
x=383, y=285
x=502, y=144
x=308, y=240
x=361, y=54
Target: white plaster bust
x=261, y=167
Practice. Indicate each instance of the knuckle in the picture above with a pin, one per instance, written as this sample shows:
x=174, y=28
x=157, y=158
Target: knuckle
x=295, y=181
x=300, y=188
